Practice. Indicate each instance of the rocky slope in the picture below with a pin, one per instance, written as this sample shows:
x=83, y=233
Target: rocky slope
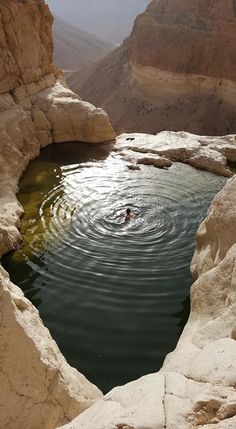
x=38, y=388
x=176, y=71
x=74, y=48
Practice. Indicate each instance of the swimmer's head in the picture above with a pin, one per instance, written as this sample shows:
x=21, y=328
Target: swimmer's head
x=128, y=211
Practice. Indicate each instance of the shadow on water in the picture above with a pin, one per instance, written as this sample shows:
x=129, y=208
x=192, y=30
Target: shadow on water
x=114, y=294
x=69, y=153
x=183, y=315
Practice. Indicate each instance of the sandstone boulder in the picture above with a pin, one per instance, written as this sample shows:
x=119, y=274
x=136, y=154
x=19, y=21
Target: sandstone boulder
x=70, y=118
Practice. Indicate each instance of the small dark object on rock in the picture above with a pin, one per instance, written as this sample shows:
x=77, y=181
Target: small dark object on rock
x=130, y=138
x=133, y=167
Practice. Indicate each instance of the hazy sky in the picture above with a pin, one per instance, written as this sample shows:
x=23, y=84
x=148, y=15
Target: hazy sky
x=108, y=19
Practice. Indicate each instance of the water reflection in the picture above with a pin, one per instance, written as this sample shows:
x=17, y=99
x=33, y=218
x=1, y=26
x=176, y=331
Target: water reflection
x=106, y=288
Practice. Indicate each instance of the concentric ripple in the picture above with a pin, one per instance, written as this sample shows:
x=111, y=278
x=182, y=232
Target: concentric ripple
x=113, y=293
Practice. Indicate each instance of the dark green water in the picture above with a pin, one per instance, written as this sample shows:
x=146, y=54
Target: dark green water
x=113, y=294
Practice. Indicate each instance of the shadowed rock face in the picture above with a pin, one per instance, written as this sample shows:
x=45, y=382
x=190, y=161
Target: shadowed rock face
x=26, y=43
x=176, y=71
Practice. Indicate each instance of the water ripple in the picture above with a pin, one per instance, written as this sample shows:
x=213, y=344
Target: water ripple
x=109, y=288
x=88, y=218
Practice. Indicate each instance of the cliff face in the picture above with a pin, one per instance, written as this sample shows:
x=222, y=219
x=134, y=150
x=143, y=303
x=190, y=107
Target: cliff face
x=38, y=388
x=176, y=71
x=196, y=37
x=26, y=43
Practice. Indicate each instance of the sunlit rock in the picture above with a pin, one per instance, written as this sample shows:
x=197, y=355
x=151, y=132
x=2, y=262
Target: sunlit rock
x=160, y=150
x=221, y=229
x=70, y=118
x=138, y=404
x=38, y=387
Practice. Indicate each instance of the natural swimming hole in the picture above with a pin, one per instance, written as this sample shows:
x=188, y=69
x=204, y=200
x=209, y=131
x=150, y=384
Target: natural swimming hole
x=114, y=294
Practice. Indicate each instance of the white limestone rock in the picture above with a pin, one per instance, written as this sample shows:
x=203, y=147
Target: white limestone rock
x=38, y=388
x=136, y=405
x=220, y=226
x=215, y=364
x=206, y=153
x=190, y=404
x=226, y=424
x=72, y=119
x=138, y=158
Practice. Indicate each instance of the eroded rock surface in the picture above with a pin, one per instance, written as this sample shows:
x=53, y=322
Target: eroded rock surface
x=175, y=72
x=203, y=152
x=38, y=387
x=196, y=385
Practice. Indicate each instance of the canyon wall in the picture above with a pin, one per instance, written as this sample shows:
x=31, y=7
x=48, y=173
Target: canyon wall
x=176, y=71
x=196, y=386
x=38, y=388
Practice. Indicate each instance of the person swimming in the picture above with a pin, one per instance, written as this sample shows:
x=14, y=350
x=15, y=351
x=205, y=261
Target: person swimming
x=129, y=215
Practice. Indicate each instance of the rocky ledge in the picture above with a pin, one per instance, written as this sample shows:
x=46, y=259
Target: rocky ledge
x=203, y=152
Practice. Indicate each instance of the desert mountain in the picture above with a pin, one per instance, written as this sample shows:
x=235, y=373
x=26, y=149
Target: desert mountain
x=176, y=71
x=74, y=48
x=110, y=20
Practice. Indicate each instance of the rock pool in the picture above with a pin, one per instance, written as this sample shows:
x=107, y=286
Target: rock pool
x=114, y=294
